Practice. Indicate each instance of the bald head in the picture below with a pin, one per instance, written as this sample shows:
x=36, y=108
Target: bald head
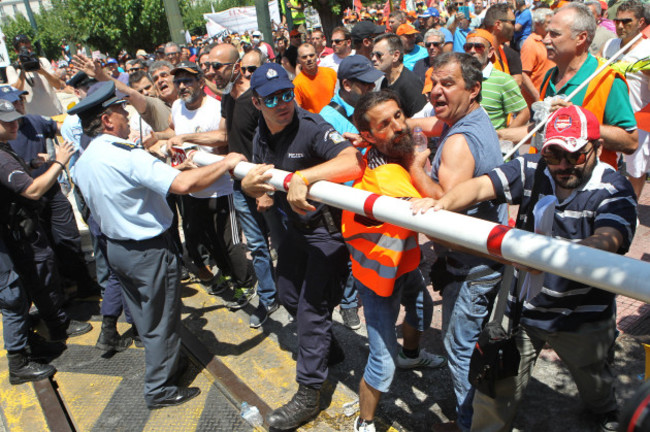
x=307, y=59
x=224, y=53
x=224, y=63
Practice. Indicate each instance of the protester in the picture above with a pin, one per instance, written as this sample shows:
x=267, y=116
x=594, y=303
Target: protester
x=342, y=47
x=314, y=85
x=434, y=41
x=534, y=58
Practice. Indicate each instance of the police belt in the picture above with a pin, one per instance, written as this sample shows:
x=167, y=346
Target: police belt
x=327, y=217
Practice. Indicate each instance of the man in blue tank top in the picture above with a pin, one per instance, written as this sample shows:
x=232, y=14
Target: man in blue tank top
x=469, y=148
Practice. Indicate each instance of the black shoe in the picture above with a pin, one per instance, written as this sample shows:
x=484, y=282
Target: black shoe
x=242, y=297
x=137, y=340
x=40, y=349
x=302, y=407
x=351, y=317
x=185, y=274
x=262, y=313
x=183, y=394
x=218, y=284
x=608, y=422
x=71, y=329
x=337, y=355
x=22, y=370
x=109, y=339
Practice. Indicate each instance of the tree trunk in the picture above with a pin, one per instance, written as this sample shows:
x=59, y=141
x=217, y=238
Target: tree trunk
x=328, y=17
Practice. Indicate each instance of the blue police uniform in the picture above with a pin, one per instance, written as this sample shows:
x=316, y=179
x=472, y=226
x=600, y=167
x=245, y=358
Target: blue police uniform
x=125, y=189
x=312, y=260
x=13, y=304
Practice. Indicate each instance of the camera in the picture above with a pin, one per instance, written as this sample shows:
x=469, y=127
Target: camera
x=28, y=61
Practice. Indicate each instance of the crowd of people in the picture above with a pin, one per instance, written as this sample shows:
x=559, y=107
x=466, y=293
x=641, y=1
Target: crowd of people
x=343, y=106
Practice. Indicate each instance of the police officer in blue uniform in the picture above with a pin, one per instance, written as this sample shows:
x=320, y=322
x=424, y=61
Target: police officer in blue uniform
x=125, y=188
x=28, y=244
x=312, y=260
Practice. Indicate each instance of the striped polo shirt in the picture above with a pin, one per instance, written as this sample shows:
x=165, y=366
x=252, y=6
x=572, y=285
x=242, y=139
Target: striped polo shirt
x=606, y=200
x=500, y=96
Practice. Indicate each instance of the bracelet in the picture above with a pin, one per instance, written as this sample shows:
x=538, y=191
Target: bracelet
x=60, y=163
x=302, y=176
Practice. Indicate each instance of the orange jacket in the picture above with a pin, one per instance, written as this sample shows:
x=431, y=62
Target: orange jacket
x=381, y=252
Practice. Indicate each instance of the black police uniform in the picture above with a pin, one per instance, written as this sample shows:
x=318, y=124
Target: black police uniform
x=312, y=260
x=13, y=304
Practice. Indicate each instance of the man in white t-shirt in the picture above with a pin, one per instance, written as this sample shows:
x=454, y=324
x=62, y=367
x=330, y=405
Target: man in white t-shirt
x=342, y=46
x=40, y=83
x=631, y=18
x=210, y=214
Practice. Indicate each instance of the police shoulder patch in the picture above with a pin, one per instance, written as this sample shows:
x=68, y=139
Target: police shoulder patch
x=126, y=145
x=334, y=136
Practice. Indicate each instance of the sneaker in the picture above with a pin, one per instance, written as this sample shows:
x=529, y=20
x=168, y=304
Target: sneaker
x=424, y=359
x=351, y=317
x=218, y=284
x=262, y=313
x=242, y=297
x=363, y=426
x=609, y=421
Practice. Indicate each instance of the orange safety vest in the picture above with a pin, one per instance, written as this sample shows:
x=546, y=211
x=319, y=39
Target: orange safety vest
x=501, y=64
x=595, y=100
x=380, y=252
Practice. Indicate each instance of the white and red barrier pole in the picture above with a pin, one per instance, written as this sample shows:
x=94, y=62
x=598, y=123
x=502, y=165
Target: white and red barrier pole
x=611, y=272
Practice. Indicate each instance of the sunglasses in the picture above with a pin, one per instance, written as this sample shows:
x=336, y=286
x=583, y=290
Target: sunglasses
x=377, y=54
x=554, y=156
x=478, y=47
x=132, y=70
x=217, y=65
x=249, y=69
x=171, y=54
x=434, y=44
x=338, y=41
x=624, y=21
x=272, y=101
x=185, y=81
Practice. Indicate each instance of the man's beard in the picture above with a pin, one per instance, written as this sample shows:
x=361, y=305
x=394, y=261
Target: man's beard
x=190, y=97
x=401, y=148
x=579, y=176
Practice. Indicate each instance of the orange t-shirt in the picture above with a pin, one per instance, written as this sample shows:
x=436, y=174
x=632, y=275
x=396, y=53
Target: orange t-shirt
x=534, y=60
x=314, y=92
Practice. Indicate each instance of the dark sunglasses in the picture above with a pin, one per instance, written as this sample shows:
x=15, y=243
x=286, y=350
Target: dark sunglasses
x=185, y=81
x=478, y=47
x=434, y=44
x=172, y=53
x=272, y=101
x=217, y=65
x=338, y=41
x=132, y=70
x=624, y=21
x=554, y=156
x=249, y=69
x=377, y=54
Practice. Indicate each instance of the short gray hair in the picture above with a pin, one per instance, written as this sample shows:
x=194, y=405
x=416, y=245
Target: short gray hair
x=172, y=45
x=583, y=21
x=436, y=33
x=160, y=64
x=539, y=15
x=594, y=3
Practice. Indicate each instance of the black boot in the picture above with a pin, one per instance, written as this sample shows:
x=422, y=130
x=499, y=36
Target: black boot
x=302, y=407
x=22, y=370
x=137, y=340
x=109, y=338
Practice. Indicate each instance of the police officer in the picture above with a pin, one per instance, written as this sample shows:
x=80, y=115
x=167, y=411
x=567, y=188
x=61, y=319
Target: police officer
x=20, y=200
x=15, y=325
x=312, y=260
x=125, y=188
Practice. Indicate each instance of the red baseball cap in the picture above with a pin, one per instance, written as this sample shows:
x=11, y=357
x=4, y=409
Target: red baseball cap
x=571, y=128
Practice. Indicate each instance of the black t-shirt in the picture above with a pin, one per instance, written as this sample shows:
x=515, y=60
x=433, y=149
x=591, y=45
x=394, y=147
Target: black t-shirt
x=421, y=67
x=30, y=141
x=241, y=122
x=514, y=60
x=409, y=88
x=307, y=141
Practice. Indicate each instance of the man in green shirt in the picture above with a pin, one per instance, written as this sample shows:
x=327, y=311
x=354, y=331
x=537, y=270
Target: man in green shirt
x=500, y=94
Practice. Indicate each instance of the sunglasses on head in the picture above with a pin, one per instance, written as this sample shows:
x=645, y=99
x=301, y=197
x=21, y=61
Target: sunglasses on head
x=185, y=81
x=554, y=156
x=249, y=69
x=478, y=47
x=433, y=44
x=623, y=21
x=273, y=100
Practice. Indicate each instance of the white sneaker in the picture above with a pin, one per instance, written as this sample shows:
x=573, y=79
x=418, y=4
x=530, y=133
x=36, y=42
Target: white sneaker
x=363, y=428
x=425, y=359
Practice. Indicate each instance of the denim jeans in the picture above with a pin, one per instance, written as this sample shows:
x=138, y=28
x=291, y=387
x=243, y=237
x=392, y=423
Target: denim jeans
x=465, y=306
x=254, y=228
x=349, y=299
x=381, y=314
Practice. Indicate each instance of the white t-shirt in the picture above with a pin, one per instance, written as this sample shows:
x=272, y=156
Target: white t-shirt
x=41, y=99
x=206, y=118
x=333, y=61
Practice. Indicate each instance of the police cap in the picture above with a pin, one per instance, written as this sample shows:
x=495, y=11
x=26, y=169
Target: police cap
x=270, y=78
x=80, y=79
x=100, y=96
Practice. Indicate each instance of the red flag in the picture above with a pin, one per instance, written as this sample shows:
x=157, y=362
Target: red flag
x=357, y=5
x=402, y=5
x=387, y=9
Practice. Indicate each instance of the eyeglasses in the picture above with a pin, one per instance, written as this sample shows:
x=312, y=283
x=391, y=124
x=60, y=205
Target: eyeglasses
x=185, y=81
x=272, y=101
x=434, y=44
x=478, y=47
x=217, y=65
x=249, y=69
x=338, y=41
x=624, y=21
x=554, y=156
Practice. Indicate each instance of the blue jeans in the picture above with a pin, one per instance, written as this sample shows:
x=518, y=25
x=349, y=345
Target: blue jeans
x=349, y=299
x=254, y=227
x=465, y=306
x=381, y=314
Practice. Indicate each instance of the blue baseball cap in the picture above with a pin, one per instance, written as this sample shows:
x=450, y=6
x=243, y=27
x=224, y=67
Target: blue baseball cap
x=433, y=12
x=270, y=78
x=100, y=96
x=360, y=68
x=11, y=94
